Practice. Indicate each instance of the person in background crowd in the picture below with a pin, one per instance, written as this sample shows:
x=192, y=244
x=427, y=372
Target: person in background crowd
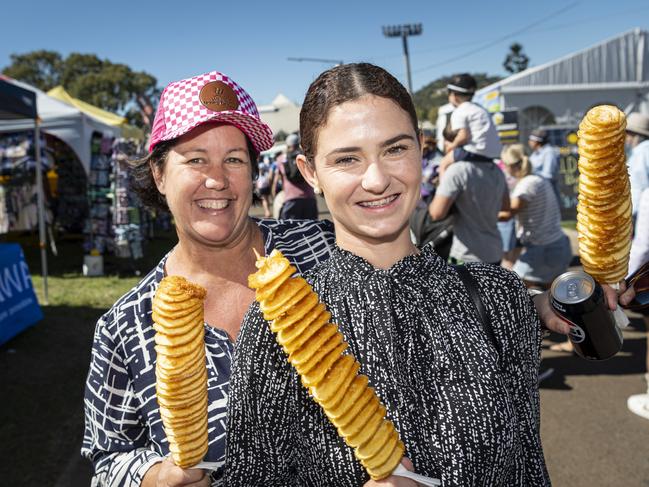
x=277, y=183
x=546, y=249
x=637, y=140
x=201, y=167
x=299, y=198
x=424, y=229
x=544, y=159
x=277, y=192
x=477, y=191
x=639, y=403
x=507, y=228
x=475, y=136
x=431, y=158
x=263, y=183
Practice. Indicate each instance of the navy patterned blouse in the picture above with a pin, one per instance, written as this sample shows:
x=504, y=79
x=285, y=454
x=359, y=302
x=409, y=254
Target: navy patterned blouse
x=123, y=429
x=467, y=414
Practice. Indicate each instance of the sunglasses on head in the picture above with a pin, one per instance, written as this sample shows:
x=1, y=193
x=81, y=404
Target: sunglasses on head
x=640, y=282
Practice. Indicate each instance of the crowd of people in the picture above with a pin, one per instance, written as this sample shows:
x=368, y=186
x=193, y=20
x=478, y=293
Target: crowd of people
x=461, y=389
x=283, y=192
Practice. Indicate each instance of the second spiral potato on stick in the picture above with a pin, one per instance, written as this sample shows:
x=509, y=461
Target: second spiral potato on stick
x=316, y=349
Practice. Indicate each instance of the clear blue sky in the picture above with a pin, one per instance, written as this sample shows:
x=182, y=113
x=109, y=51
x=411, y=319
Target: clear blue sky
x=251, y=41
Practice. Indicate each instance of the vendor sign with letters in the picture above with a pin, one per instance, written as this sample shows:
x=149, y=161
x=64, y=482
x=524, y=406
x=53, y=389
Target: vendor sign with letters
x=19, y=307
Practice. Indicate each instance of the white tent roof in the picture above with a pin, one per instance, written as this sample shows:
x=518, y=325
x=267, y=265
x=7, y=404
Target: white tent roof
x=620, y=61
x=281, y=115
x=63, y=121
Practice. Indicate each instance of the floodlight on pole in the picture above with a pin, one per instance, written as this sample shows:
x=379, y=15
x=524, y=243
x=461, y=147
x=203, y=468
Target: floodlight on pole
x=403, y=31
x=335, y=62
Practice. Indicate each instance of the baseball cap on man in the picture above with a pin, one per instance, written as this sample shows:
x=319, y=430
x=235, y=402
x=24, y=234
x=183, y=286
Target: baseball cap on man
x=462, y=83
x=210, y=97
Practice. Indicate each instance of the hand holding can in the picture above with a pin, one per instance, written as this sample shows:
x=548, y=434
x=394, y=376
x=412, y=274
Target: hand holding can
x=579, y=300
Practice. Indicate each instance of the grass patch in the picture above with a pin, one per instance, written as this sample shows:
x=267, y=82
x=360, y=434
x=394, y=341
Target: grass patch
x=79, y=291
x=569, y=224
x=43, y=369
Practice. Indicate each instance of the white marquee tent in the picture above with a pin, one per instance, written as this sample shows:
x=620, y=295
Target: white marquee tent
x=614, y=71
x=69, y=124
x=281, y=115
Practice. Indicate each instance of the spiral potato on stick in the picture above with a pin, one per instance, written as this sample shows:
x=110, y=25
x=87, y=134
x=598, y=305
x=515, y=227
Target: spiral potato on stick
x=181, y=372
x=604, y=202
x=315, y=348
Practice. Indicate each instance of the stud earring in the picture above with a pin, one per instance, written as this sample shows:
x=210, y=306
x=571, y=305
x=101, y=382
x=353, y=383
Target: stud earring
x=317, y=189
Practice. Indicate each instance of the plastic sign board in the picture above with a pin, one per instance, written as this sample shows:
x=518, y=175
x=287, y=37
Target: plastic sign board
x=19, y=307
x=506, y=122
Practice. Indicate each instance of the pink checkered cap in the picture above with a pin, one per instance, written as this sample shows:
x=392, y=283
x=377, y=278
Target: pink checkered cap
x=180, y=110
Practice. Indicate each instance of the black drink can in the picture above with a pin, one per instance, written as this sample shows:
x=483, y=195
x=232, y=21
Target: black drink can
x=579, y=300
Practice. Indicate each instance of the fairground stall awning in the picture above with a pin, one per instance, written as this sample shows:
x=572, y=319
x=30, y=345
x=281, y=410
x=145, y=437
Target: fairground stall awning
x=104, y=116
x=16, y=102
x=20, y=104
x=615, y=71
x=64, y=121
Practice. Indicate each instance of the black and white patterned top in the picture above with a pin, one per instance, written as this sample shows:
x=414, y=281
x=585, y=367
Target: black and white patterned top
x=123, y=431
x=464, y=416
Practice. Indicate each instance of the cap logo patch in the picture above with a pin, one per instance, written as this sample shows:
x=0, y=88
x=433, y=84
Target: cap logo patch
x=218, y=97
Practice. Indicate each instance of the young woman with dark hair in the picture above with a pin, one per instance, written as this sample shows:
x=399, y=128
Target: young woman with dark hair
x=466, y=408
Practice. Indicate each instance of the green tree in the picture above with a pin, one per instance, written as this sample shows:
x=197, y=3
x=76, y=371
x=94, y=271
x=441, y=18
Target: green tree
x=41, y=69
x=516, y=60
x=111, y=86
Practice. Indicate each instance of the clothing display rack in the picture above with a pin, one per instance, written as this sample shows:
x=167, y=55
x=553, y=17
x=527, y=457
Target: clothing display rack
x=129, y=219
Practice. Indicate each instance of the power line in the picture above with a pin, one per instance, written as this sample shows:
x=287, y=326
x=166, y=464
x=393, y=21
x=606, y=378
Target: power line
x=590, y=20
x=500, y=39
x=571, y=25
x=337, y=62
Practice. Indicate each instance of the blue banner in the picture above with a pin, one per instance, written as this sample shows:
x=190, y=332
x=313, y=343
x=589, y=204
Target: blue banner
x=19, y=307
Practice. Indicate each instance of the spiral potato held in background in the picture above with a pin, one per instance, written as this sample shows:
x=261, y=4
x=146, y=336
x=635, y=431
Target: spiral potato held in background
x=604, y=204
x=315, y=349
x=181, y=372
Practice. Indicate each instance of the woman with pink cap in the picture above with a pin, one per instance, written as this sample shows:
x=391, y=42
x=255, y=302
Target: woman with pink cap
x=201, y=166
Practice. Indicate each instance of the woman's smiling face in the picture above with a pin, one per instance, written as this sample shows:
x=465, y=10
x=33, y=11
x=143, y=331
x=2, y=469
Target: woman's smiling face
x=367, y=162
x=207, y=182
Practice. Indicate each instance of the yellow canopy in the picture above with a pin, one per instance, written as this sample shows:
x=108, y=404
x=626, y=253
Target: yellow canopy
x=104, y=116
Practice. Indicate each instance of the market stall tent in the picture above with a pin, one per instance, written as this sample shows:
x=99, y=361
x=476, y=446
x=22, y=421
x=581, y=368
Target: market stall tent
x=104, y=116
x=64, y=121
x=614, y=71
x=18, y=104
x=282, y=115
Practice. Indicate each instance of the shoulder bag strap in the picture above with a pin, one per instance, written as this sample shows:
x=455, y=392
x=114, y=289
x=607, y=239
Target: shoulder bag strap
x=472, y=288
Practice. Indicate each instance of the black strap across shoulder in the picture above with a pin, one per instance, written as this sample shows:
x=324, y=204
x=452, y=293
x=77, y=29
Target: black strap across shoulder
x=472, y=288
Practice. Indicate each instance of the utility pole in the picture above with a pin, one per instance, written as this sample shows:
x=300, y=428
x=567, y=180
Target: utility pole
x=403, y=31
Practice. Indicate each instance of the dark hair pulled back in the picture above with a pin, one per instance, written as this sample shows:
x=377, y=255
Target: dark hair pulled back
x=345, y=83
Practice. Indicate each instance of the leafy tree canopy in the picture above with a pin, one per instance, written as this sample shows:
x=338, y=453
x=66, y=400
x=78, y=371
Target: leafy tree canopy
x=111, y=86
x=429, y=98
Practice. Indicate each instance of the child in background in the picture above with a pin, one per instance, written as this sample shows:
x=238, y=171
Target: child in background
x=476, y=138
